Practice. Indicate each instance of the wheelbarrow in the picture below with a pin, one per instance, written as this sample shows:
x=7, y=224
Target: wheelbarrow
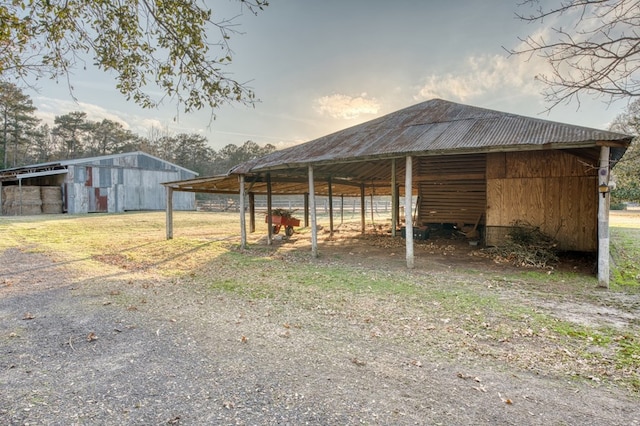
x=277, y=222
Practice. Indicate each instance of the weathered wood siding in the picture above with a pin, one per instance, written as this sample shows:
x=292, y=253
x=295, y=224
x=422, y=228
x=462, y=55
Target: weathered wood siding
x=452, y=189
x=553, y=190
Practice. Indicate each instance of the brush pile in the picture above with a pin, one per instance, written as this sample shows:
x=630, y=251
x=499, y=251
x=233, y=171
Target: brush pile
x=527, y=246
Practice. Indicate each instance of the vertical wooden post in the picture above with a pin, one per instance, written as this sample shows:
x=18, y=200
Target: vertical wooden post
x=169, y=217
x=397, y=205
x=243, y=224
x=252, y=212
x=306, y=209
x=269, y=219
x=341, y=208
x=603, y=220
x=394, y=200
x=373, y=220
x=330, y=207
x=20, y=196
x=408, y=217
x=363, y=209
x=312, y=208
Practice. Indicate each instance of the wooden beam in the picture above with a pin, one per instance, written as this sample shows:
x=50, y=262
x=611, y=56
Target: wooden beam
x=306, y=209
x=363, y=210
x=252, y=212
x=312, y=208
x=169, y=217
x=613, y=144
x=330, y=207
x=603, y=218
x=269, y=219
x=243, y=224
x=408, y=214
x=394, y=193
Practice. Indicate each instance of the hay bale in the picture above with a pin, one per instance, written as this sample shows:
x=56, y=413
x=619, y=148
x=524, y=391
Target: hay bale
x=8, y=194
x=28, y=209
x=51, y=199
x=24, y=200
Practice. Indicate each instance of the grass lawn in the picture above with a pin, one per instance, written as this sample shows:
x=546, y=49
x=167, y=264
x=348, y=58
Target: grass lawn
x=625, y=249
x=481, y=309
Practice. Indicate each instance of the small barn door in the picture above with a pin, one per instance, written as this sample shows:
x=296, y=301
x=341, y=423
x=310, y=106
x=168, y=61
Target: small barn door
x=98, y=200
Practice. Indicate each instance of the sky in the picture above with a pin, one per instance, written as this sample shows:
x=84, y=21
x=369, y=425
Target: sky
x=319, y=66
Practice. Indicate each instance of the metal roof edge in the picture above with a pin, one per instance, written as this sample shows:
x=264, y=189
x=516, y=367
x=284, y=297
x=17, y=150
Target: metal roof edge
x=430, y=153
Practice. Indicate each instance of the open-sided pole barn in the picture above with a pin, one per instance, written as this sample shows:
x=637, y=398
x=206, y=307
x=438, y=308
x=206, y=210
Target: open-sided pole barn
x=467, y=166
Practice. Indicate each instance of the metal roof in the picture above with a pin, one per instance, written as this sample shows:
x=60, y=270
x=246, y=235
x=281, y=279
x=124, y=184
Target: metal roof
x=58, y=167
x=361, y=156
x=436, y=127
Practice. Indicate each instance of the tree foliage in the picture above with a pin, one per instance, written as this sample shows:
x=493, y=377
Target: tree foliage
x=597, y=52
x=627, y=171
x=18, y=122
x=74, y=136
x=147, y=44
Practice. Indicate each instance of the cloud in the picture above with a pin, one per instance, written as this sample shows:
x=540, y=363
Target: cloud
x=346, y=107
x=485, y=74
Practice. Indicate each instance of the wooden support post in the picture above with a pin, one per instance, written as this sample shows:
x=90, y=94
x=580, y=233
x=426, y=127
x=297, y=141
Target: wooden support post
x=341, y=209
x=312, y=208
x=394, y=198
x=169, y=216
x=243, y=224
x=20, y=196
x=603, y=219
x=269, y=219
x=363, y=209
x=398, y=205
x=306, y=209
x=373, y=220
x=330, y=207
x=252, y=212
x=408, y=217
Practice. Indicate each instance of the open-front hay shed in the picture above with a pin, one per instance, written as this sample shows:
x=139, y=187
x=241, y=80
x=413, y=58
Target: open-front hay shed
x=465, y=166
x=111, y=183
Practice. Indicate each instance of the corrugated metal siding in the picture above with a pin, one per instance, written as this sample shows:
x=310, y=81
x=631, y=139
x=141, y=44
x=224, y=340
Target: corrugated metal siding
x=105, y=177
x=125, y=182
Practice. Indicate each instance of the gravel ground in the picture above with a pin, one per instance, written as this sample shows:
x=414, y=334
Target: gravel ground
x=135, y=350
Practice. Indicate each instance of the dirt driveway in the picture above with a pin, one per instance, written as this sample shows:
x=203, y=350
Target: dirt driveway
x=135, y=350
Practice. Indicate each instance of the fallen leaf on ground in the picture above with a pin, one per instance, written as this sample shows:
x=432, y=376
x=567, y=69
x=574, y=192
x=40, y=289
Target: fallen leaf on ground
x=91, y=337
x=358, y=362
x=28, y=316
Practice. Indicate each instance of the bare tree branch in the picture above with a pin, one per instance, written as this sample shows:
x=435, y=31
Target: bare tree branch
x=599, y=55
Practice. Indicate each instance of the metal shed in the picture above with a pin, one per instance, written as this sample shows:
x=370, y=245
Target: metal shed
x=466, y=165
x=110, y=183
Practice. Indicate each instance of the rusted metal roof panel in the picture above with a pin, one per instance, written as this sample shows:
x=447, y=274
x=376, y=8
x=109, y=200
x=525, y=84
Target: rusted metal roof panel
x=435, y=126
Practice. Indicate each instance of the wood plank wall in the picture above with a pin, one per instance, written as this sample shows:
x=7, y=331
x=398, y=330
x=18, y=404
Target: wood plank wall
x=553, y=190
x=452, y=189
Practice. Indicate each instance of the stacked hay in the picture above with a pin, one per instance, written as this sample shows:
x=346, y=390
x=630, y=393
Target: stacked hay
x=21, y=200
x=51, y=199
x=7, y=199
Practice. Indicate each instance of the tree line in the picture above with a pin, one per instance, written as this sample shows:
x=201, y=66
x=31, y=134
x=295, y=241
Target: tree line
x=26, y=140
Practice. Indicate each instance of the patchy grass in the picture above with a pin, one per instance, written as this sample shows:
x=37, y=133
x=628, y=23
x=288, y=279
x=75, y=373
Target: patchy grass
x=459, y=314
x=625, y=249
